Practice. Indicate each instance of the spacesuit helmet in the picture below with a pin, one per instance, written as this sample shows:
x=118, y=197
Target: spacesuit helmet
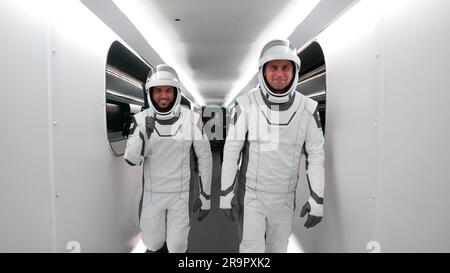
x=164, y=75
x=278, y=50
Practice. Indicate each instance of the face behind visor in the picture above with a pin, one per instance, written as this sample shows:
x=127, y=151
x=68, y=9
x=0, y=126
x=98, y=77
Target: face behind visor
x=164, y=75
x=278, y=50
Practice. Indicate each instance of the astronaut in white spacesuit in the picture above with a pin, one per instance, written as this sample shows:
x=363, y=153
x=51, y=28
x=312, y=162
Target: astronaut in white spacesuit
x=271, y=127
x=163, y=138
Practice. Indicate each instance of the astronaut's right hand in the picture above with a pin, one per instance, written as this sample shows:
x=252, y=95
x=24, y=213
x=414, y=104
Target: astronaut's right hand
x=149, y=125
x=229, y=213
x=202, y=213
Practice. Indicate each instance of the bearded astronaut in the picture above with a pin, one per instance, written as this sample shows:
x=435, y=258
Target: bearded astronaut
x=163, y=139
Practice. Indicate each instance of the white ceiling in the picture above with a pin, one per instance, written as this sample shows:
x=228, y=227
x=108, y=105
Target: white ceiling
x=214, y=37
x=216, y=43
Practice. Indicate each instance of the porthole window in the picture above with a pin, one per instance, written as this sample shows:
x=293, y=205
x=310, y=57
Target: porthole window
x=312, y=77
x=125, y=75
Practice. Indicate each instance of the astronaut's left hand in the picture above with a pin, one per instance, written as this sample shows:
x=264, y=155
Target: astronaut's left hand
x=198, y=207
x=315, y=212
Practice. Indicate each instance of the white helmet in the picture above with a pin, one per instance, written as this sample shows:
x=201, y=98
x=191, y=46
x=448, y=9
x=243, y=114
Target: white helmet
x=159, y=76
x=278, y=50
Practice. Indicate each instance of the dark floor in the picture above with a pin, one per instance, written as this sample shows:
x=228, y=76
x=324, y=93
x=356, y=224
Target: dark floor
x=215, y=233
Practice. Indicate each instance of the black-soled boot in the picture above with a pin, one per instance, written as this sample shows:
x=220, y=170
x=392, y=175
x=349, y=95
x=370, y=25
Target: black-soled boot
x=163, y=249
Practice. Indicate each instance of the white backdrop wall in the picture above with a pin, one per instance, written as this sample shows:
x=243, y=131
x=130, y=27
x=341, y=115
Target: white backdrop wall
x=62, y=188
x=415, y=179
x=386, y=138
x=25, y=176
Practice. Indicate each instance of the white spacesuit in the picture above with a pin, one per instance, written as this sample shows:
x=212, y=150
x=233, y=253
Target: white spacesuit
x=165, y=152
x=268, y=133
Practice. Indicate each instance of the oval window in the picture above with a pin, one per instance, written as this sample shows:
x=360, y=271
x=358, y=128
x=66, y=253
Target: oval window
x=312, y=77
x=125, y=75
